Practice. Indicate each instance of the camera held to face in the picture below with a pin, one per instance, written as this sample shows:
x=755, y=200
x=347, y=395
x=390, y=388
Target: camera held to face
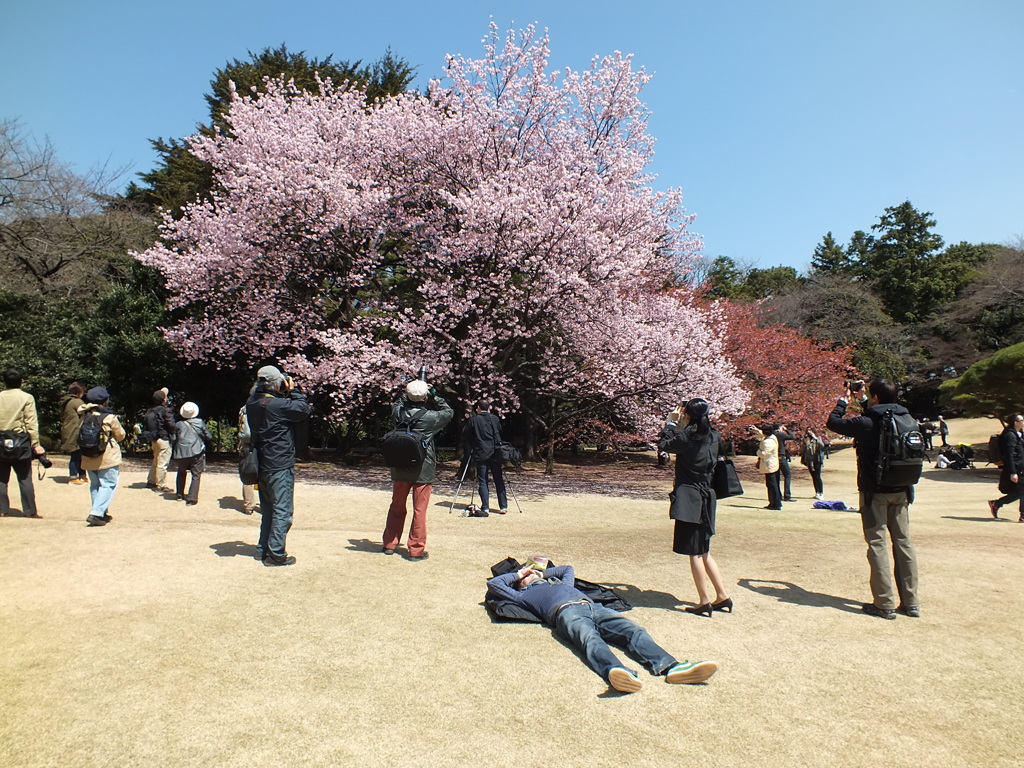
x=855, y=385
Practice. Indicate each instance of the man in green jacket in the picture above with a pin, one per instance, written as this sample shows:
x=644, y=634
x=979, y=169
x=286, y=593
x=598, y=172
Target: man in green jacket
x=429, y=414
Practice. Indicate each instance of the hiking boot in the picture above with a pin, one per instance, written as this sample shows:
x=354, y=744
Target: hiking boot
x=95, y=520
x=993, y=507
x=690, y=672
x=273, y=560
x=913, y=611
x=883, y=613
x=480, y=513
x=78, y=481
x=623, y=680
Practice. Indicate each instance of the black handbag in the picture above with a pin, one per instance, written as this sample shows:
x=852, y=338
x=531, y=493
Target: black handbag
x=724, y=480
x=249, y=467
x=15, y=446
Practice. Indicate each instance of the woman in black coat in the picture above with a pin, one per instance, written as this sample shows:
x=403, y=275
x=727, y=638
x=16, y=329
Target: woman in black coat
x=689, y=435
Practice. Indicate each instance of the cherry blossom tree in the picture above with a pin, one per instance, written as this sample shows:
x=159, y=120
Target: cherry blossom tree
x=500, y=229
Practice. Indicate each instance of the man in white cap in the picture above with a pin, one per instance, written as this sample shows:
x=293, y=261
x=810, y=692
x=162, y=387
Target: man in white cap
x=426, y=413
x=273, y=411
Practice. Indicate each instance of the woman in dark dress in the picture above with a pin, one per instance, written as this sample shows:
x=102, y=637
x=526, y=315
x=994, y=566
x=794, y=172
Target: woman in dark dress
x=688, y=434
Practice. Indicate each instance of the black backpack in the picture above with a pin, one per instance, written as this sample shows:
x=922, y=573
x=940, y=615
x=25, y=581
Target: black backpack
x=92, y=439
x=401, y=447
x=901, y=451
x=995, y=450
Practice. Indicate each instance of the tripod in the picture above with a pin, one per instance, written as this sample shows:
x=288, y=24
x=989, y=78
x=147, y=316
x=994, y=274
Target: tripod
x=465, y=470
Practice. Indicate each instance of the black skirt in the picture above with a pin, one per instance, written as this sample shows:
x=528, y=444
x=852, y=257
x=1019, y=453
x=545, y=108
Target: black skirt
x=691, y=538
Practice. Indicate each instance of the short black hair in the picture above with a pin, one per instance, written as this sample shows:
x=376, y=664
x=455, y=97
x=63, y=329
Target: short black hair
x=12, y=378
x=483, y=405
x=884, y=390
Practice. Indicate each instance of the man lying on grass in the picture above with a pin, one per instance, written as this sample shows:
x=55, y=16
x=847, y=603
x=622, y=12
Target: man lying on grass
x=552, y=597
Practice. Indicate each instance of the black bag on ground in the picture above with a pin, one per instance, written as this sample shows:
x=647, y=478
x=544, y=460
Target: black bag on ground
x=92, y=439
x=249, y=467
x=724, y=480
x=402, y=448
x=901, y=451
x=15, y=446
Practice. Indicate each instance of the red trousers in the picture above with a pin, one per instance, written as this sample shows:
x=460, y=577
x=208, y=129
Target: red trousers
x=397, y=514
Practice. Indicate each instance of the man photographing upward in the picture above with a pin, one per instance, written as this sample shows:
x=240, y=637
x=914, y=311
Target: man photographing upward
x=882, y=507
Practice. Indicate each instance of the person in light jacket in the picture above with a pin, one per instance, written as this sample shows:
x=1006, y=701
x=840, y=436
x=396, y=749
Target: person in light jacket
x=69, y=424
x=104, y=470
x=189, y=452
x=768, y=462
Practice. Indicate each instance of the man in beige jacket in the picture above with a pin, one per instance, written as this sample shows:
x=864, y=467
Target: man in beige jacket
x=18, y=416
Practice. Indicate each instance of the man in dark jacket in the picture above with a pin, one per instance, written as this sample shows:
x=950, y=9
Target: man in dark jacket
x=159, y=421
x=551, y=595
x=482, y=436
x=274, y=410
x=882, y=508
x=1011, y=442
x=783, y=436
x=428, y=414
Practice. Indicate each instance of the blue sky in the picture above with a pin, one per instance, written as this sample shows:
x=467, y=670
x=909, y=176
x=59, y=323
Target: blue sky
x=779, y=120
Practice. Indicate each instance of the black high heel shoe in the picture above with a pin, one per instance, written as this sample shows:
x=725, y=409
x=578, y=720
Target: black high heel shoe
x=700, y=610
x=724, y=605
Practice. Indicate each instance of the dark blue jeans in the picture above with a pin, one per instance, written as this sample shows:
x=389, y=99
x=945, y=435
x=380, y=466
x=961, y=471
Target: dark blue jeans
x=75, y=465
x=276, y=506
x=590, y=627
x=494, y=465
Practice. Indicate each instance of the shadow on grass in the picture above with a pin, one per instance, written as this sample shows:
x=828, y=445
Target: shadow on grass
x=647, y=598
x=234, y=549
x=787, y=592
x=364, y=545
x=988, y=519
x=969, y=476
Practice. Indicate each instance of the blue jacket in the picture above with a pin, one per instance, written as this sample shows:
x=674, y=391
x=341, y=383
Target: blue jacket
x=543, y=598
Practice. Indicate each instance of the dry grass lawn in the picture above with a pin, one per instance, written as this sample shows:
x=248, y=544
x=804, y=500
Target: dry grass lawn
x=159, y=641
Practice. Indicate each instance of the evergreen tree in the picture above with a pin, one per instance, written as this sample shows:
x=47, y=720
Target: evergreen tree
x=830, y=257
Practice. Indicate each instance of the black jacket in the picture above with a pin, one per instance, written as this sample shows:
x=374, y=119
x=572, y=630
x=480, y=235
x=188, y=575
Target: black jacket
x=865, y=431
x=692, y=498
x=272, y=419
x=482, y=434
x=160, y=421
x=1012, y=445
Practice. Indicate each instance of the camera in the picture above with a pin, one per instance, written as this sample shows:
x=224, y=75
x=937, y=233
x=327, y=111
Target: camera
x=855, y=385
x=41, y=458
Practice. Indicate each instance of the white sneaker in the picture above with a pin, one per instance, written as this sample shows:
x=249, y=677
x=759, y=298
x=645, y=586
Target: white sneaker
x=818, y=496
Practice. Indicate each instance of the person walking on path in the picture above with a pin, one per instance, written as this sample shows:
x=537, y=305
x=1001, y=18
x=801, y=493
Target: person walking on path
x=105, y=468
x=1011, y=443
x=688, y=434
x=812, y=456
x=20, y=423
x=69, y=424
x=189, y=453
x=428, y=414
x=244, y=447
x=159, y=421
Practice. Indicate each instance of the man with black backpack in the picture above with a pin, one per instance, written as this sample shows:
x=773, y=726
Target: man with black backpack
x=890, y=457
x=420, y=413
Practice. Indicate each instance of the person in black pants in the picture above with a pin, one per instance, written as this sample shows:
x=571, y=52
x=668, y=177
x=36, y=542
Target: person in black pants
x=787, y=473
x=482, y=436
x=1011, y=441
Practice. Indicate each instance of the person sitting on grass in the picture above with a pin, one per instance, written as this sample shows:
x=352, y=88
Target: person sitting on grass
x=552, y=597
